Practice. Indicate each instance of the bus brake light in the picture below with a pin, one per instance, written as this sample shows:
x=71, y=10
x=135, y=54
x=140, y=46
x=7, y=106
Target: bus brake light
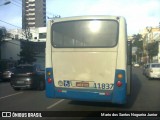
x=119, y=83
x=49, y=80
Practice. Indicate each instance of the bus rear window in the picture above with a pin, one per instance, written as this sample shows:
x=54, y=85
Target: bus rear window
x=85, y=33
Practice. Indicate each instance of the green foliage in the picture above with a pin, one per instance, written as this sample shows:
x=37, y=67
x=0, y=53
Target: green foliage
x=27, y=54
x=153, y=49
x=138, y=41
x=2, y=33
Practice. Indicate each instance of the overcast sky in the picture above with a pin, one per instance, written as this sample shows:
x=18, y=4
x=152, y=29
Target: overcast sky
x=138, y=13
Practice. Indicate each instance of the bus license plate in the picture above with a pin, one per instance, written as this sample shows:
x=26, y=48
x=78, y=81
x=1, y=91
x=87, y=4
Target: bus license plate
x=82, y=84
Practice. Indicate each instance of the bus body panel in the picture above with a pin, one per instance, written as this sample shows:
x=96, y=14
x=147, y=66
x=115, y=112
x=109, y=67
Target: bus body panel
x=92, y=67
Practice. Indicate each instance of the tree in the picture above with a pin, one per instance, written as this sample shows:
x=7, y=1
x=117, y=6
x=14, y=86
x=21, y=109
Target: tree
x=27, y=54
x=153, y=49
x=138, y=42
x=3, y=32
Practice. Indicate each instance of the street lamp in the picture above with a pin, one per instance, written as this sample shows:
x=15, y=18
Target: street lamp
x=6, y=3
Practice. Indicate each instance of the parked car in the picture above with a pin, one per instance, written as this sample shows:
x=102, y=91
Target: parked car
x=136, y=65
x=6, y=75
x=153, y=70
x=28, y=76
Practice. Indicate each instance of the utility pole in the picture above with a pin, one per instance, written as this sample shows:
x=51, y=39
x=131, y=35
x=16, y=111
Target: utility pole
x=149, y=29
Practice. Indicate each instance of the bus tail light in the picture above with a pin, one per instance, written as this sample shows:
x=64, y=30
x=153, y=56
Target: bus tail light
x=49, y=76
x=119, y=83
x=49, y=80
x=119, y=78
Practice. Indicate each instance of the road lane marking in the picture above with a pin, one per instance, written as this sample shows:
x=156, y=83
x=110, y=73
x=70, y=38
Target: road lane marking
x=49, y=107
x=10, y=95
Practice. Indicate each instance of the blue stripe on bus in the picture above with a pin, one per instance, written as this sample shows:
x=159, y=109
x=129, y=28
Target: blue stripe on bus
x=118, y=95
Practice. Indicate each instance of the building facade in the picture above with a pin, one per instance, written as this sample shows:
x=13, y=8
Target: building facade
x=37, y=34
x=151, y=35
x=33, y=13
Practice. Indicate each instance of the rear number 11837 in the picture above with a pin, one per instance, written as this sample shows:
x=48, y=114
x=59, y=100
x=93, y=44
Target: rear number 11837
x=105, y=86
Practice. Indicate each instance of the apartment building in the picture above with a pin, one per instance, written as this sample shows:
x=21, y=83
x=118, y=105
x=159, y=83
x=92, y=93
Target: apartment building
x=33, y=13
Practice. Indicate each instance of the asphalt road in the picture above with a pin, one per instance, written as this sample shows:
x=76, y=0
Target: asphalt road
x=145, y=96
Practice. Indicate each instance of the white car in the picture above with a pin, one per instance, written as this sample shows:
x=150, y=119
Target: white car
x=136, y=65
x=153, y=70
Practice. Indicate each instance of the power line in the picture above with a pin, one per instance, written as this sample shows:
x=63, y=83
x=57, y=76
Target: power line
x=16, y=4
x=20, y=0
x=15, y=26
x=9, y=23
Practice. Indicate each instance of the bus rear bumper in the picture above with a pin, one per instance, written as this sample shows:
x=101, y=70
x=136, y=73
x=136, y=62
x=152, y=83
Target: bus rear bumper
x=111, y=96
x=117, y=95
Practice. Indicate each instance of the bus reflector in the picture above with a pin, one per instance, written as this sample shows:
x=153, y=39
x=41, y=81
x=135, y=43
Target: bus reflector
x=49, y=80
x=107, y=93
x=59, y=90
x=119, y=83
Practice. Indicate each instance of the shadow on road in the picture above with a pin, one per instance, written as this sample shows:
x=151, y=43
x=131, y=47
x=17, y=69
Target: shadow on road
x=135, y=90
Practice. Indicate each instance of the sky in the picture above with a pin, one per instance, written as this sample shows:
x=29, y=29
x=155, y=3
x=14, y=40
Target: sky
x=138, y=13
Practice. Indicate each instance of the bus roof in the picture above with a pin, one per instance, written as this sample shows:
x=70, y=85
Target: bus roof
x=85, y=17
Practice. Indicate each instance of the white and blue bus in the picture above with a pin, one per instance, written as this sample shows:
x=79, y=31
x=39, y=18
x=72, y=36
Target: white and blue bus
x=86, y=59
